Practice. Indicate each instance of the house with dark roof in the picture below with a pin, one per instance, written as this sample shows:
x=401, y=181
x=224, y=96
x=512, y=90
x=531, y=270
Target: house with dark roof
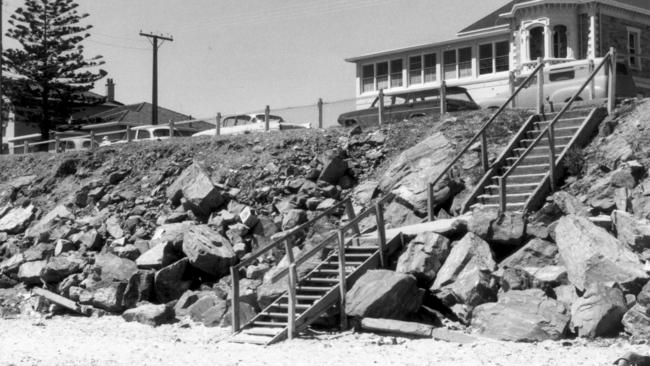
x=488, y=54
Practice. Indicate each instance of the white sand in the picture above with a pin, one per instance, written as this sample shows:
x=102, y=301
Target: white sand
x=111, y=341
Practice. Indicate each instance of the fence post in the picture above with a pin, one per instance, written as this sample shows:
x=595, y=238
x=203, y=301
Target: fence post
x=512, y=88
x=92, y=140
x=611, y=95
x=484, y=152
x=267, y=112
x=342, y=281
x=381, y=107
x=349, y=209
x=430, y=202
x=57, y=144
x=320, y=112
x=26, y=147
x=540, y=87
x=234, y=274
x=217, y=127
x=129, y=138
x=502, y=194
x=291, y=321
x=171, y=129
x=551, y=156
x=592, y=85
x=381, y=233
x=443, y=98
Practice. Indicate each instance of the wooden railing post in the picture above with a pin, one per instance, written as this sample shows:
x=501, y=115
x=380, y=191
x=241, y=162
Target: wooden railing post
x=26, y=147
x=92, y=140
x=611, y=95
x=129, y=138
x=234, y=274
x=291, y=321
x=443, y=98
x=320, y=113
x=540, y=87
x=380, y=110
x=171, y=129
x=502, y=194
x=381, y=233
x=551, y=156
x=267, y=112
x=342, y=281
x=57, y=144
x=484, y=152
x=592, y=85
x=349, y=209
x=512, y=79
x=430, y=202
x=217, y=127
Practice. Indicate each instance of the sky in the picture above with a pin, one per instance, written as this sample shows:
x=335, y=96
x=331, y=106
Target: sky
x=235, y=56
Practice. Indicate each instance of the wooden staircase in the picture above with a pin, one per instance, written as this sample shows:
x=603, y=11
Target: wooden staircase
x=527, y=185
x=316, y=293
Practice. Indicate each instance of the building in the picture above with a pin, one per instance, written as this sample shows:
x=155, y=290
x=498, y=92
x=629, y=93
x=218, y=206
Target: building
x=509, y=40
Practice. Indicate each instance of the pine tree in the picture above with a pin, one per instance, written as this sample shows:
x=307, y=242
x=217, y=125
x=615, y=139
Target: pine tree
x=50, y=65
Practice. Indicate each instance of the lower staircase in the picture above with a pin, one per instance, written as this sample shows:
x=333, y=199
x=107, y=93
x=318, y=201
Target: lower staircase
x=316, y=293
x=529, y=182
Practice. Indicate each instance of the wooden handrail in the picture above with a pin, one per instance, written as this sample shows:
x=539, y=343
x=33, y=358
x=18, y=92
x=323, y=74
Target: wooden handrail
x=548, y=131
x=478, y=135
x=293, y=232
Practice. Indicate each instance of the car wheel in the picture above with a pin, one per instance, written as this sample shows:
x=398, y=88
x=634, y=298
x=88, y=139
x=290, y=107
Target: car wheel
x=350, y=122
x=492, y=108
x=417, y=115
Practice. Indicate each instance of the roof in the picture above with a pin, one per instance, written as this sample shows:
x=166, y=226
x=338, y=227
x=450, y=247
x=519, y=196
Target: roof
x=139, y=114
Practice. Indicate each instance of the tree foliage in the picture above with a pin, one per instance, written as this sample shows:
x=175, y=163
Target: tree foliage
x=49, y=66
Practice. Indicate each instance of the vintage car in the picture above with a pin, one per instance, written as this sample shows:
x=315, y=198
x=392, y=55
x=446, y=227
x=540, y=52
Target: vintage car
x=72, y=144
x=405, y=105
x=247, y=123
x=151, y=133
x=562, y=81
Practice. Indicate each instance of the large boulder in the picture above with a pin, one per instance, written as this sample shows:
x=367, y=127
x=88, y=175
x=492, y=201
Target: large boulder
x=165, y=246
x=43, y=226
x=29, y=273
x=469, y=254
x=637, y=321
x=17, y=219
x=114, y=268
x=410, y=174
x=209, y=309
x=397, y=215
x=58, y=268
x=507, y=228
x=334, y=166
x=424, y=256
x=208, y=250
x=632, y=232
x=598, y=312
x=139, y=289
x=522, y=316
x=570, y=205
x=150, y=314
x=196, y=187
x=383, y=294
x=592, y=255
x=109, y=297
x=536, y=253
x=171, y=282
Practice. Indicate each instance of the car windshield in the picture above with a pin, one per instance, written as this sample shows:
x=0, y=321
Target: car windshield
x=460, y=95
x=390, y=100
x=163, y=132
x=272, y=118
x=143, y=134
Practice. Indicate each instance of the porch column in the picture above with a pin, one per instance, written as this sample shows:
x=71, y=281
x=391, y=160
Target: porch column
x=548, y=42
x=593, y=34
x=525, y=45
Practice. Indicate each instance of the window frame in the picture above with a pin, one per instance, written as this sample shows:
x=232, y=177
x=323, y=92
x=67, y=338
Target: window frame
x=493, y=59
x=364, y=78
x=634, y=51
x=392, y=73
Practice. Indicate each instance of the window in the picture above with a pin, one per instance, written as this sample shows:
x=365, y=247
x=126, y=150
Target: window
x=465, y=62
x=367, y=78
x=449, y=58
x=415, y=70
x=561, y=75
x=494, y=57
x=396, y=78
x=430, y=63
x=382, y=75
x=161, y=132
x=536, y=43
x=634, y=47
x=559, y=41
x=143, y=134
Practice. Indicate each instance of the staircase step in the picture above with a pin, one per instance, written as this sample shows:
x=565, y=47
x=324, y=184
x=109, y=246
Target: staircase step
x=362, y=249
x=328, y=281
x=332, y=271
x=572, y=113
x=274, y=314
x=512, y=188
x=509, y=206
x=521, y=179
x=528, y=160
x=263, y=331
x=269, y=324
x=528, y=169
x=544, y=142
x=254, y=339
x=564, y=122
x=558, y=132
x=308, y=297
x=298, y=306
x=313, y=288
x=540, y=150
x=510, y=198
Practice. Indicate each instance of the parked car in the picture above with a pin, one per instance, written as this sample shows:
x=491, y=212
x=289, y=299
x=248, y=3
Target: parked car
x=562, y=81
x=72, y=144
x=406, y=105
x=247, y=123
x=153, y=133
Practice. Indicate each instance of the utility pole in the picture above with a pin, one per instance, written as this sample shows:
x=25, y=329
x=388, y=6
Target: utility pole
x=156, y=41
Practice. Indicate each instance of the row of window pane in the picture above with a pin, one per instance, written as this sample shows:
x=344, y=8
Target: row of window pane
x=494, y=58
